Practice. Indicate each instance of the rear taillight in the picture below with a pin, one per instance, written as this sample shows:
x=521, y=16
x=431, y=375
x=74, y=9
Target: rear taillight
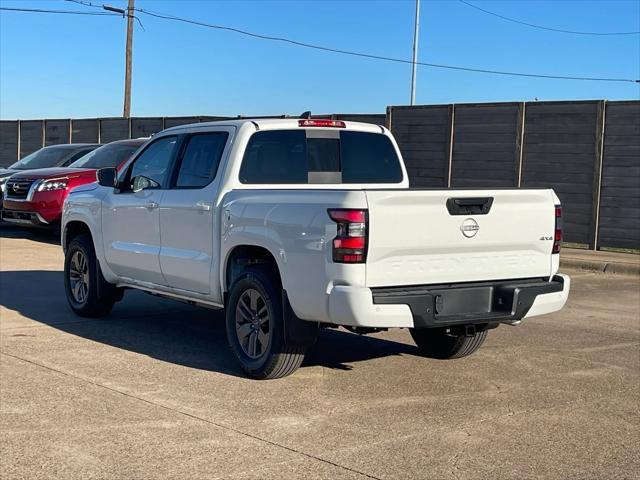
x=350, y=243
x=557, y=236
x=322, y=123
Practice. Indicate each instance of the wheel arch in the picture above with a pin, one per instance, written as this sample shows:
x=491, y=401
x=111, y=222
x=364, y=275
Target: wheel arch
x=247, y=254
x=72, y=229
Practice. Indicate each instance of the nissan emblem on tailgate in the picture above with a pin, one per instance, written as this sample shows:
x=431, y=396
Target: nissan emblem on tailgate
x=469, y=228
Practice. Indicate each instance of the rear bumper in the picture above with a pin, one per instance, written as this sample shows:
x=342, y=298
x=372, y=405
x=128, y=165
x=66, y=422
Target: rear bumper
x=447, y=305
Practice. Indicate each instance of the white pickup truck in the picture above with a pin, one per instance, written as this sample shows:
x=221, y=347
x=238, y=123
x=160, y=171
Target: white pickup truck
x=292, y=225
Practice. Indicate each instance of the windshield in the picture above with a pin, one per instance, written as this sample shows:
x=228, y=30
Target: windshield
x=43, y=158
x=106, y=156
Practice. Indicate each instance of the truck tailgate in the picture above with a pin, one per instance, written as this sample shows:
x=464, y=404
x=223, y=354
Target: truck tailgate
x=415, y=239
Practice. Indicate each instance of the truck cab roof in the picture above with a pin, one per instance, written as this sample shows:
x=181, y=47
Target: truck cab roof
x=282, y=124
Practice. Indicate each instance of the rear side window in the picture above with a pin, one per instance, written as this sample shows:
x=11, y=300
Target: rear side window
x=200, y=160
x=313, y=157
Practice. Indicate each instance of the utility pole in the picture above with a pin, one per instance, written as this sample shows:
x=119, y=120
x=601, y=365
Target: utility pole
x=129, y=12
x=127, y=74
x=415, y=53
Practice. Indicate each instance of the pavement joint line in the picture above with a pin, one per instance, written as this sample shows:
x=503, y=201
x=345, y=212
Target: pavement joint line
x=594, y=362
x=43, y=325
x=91, y=320
x=192, y=416
x=608, y=347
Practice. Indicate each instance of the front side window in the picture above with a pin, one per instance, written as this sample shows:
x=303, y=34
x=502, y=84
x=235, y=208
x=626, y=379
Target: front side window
x=315, y=156
x=154, y=162
x=200, y=160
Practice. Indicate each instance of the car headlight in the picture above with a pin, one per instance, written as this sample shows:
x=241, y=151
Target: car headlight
x=50, y=185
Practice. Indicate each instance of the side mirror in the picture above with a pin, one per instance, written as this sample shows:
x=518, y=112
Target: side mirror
x=107, y=177
x=141, y=182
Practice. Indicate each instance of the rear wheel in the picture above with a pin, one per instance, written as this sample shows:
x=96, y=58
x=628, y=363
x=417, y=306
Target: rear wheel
x=445, y=344
x=88, y=293
x=255, y=327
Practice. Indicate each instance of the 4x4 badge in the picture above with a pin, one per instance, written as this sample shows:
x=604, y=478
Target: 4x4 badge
x=469, y=228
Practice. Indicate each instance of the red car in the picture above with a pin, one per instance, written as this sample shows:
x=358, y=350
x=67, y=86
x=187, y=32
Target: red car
x=36, y=197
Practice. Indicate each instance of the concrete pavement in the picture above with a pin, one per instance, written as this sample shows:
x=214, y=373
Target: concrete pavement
x=153, y=392
x=601, y=261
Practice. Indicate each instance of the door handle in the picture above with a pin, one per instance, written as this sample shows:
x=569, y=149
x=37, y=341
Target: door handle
x=151, y=205
x=202, y=205
x=469, y=206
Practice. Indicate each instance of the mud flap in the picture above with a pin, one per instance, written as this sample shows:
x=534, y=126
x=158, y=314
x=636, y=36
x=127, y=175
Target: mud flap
x=297, y=331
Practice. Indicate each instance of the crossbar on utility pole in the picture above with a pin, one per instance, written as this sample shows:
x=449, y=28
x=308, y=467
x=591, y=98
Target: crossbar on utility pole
x=415, y=53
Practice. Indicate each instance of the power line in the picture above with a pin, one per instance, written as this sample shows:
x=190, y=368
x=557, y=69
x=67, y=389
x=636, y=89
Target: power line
x=106, y=7
x=334, y=50
x=378, y=57
x=86, y=4
x=69, y=12
x=541, y=27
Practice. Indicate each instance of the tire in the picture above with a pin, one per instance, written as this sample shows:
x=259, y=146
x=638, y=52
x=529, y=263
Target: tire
x=81, y=267
x=248, y=327
x=437, y=343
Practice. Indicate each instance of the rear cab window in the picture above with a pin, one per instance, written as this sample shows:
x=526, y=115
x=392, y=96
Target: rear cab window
x=309, y=156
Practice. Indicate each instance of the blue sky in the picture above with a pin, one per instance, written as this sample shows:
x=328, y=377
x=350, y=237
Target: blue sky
x=73, y=66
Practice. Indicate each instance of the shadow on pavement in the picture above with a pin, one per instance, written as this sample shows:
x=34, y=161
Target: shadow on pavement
x=42, y=235
x=167, y=330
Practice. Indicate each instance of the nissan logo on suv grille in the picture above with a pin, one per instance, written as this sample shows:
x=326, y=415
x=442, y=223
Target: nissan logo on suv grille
x=18, y=188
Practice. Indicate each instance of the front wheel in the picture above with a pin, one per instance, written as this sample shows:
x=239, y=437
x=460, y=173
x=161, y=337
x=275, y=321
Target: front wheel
x=444, y=344
x=88, y=293
x=255, y=327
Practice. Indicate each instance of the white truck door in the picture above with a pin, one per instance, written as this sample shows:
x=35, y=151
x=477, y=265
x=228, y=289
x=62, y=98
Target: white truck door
x=188, y=223
x=131, y=217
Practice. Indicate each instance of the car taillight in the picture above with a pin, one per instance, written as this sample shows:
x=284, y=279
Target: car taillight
x=557, y=236
x=321, y=123
x=350, y=243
